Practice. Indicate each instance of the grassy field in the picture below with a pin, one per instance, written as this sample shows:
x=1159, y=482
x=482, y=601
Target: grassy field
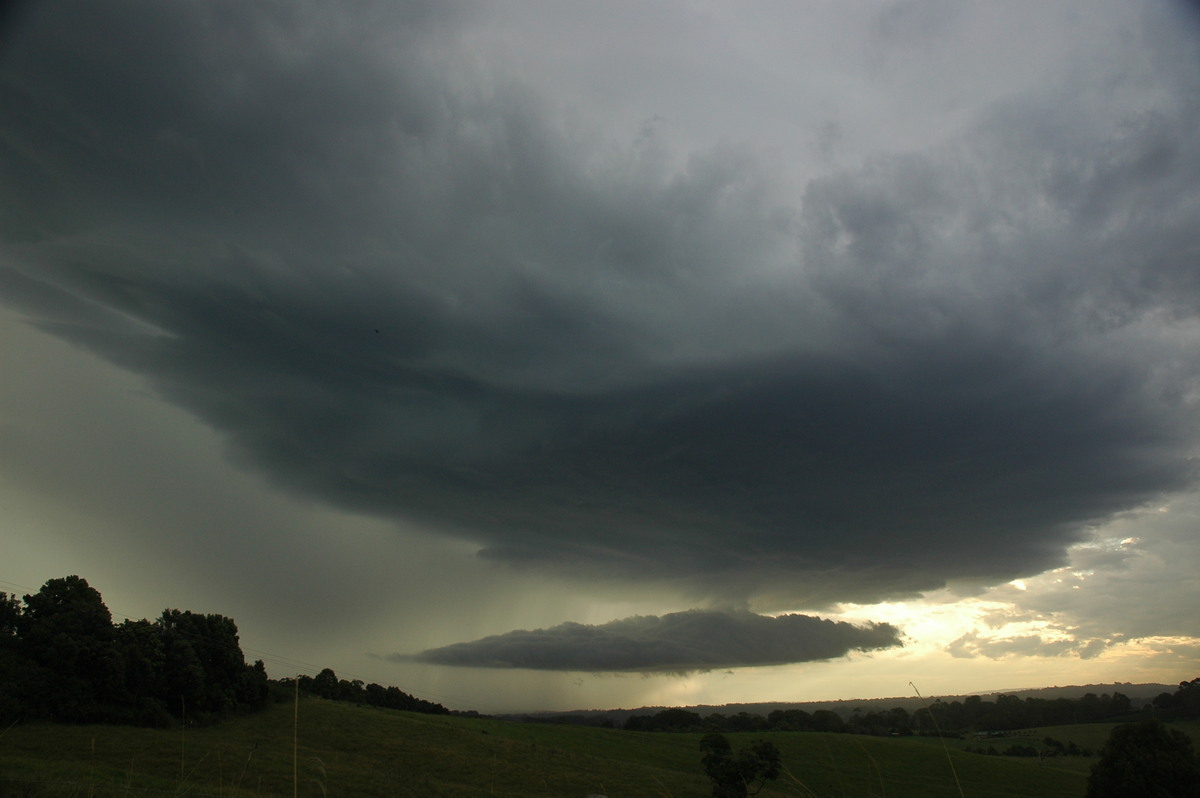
x=362, y=752
x=1091, y=736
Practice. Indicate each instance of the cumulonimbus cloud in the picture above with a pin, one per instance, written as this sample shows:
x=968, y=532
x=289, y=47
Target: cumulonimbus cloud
x=404, y=288
x=680, y=642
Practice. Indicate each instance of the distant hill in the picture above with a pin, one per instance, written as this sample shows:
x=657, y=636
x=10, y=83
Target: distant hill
x=1139, y=694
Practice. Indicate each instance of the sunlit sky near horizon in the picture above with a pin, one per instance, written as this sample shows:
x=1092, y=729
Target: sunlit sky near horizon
x=551, y=355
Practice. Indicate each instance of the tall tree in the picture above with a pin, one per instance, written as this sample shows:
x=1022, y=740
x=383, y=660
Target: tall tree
x=205, y=670
x=62, y=659
x=738, y=775
x=140, y=644
x=14, y=670
x=10, y=614
x=1146, y=759
x=68, y=634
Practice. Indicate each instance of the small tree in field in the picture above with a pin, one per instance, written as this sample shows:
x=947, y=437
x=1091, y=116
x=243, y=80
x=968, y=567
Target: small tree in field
x=1146, y=759
x=742, y=774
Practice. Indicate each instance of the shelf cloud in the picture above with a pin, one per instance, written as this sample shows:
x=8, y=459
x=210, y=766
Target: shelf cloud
x=778, y=308
x=679, y=642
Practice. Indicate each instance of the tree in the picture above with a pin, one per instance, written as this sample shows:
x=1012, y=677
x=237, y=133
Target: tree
x=826, y=720
x=1184, y=704
x=10, y=615
x=140, y=644
x=742, y=774
x=326, y=684
x=667, y=720
x=745, y=722
x=899, y=721
x=789, y=720
x=205, y=672
x=68, y=634
x=14, y=666
x=1187, y=699
x=1146, y=759
x=62, y=659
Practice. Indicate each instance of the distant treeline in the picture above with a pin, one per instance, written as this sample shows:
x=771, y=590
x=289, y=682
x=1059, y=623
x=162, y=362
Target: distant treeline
x=1183, y=704
x=63, y=659
x=973, y=714
x=327, y=685
x=1050, y=747
x=824, y=720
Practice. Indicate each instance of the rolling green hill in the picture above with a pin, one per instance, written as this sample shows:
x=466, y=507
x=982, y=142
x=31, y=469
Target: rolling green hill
x=346, y=750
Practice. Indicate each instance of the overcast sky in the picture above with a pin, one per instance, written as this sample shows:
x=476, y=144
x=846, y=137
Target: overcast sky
x=550, y=355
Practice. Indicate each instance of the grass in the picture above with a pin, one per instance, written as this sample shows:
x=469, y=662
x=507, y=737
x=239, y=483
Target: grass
x=363, y=752
x=1090, y=736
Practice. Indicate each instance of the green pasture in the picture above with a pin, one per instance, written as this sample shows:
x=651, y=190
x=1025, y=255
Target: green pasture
x=344, y=750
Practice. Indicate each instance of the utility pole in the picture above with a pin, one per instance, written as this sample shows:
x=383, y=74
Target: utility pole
x=295, y=735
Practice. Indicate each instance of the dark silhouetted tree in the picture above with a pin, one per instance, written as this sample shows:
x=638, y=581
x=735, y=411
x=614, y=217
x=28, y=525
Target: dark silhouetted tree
x=738, y=775
x=13, y=666
x=1183, y=704
x=827, y=720
x=67, y=632
x=1148, y=760
x=790, y=720
x=745, y=722
x=667, y=720
x=140, y=645
x=10, y=613
x=204, y=667
x=62, y=659
x=1187, y=699
x=325, y=684
x=898, y=721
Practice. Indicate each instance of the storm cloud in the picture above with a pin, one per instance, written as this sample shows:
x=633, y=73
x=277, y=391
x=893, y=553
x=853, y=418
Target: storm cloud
x=679, y=642
x=402, y=284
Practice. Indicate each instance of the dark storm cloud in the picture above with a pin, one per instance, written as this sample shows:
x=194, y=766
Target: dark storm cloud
x=680, y=642
x=405, y=285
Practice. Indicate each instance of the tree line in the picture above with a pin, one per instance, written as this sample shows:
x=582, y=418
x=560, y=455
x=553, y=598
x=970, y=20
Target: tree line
x=1009, y=712
x=1183, y=704
x=972, y=714
x=63, y=659
x=326, y=684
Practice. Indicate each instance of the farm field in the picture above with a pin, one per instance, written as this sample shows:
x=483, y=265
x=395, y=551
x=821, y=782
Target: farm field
x=346, y=750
